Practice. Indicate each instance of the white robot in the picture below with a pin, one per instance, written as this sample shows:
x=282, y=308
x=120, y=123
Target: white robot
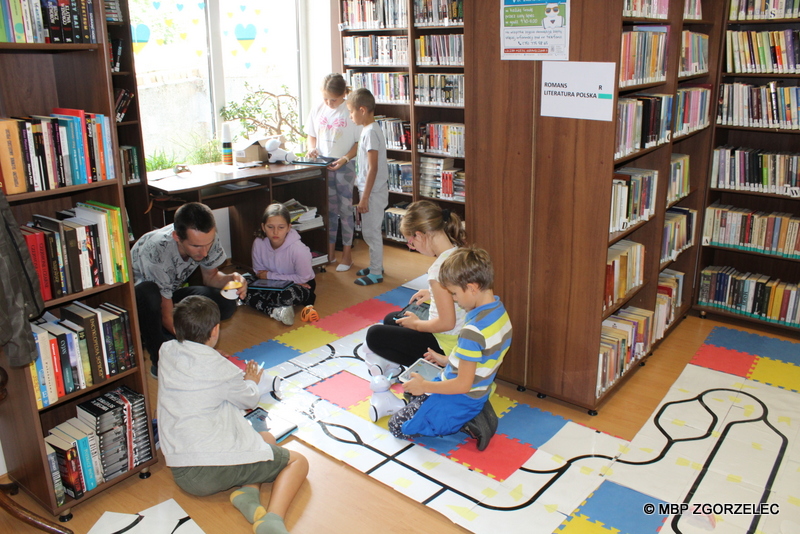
x=276, y=153
x=383, y=402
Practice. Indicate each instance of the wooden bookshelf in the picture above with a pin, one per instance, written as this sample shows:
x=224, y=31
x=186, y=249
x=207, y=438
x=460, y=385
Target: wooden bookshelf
x=779, y=140
x=414, y=112
x=70, y=76
x=129, y=130
x=545, y=194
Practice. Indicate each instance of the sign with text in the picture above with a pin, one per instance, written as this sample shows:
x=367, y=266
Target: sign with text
x=534, y=30
x=578, y=90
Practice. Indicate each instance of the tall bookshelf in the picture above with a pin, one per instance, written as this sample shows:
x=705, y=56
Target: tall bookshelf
x=71, y=76
x=408, y=50
x=549, y=180
x=747, y=253
x=129, y=129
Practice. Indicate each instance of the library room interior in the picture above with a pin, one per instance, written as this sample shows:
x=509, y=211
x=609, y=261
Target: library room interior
x=606, y=192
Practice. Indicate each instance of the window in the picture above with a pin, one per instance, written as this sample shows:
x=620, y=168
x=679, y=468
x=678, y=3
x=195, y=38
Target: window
x=192, y=58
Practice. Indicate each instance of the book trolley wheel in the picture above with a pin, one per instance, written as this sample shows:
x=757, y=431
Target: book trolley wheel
x=145, y=473
x=66, y=516
x=520, y=388
x=541, y=395
x=592, y=412
x=703, y=315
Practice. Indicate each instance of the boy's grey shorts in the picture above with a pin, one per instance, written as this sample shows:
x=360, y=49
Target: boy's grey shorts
x=206, y=480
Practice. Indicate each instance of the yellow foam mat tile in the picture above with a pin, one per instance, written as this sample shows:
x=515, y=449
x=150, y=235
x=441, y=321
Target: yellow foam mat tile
x=307, y=338
x=580, y=524
x=501, y=404
x=777, y=374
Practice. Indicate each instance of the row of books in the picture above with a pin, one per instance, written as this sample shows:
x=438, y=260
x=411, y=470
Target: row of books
x=692, y=105
x=48, y=21
x=130, y=172
x=391, y=224
x=764, y=9
x=115, y=51
x=766, y=106
x=694, y=53
x=751, y=169
x=440, y=179
x=625, y=338
x=445, y=138
x=438, y=12
x=396, y=131
x=374, y=14
x=446, y=89
x=385, y=50
x=113, y=10
x=78, y=249
x=69, y=147
x=679, y=183
x=633, y=197
x=433, y=50
x=122, y=100
x=109, y=436
x=387, y=87
x=401, y=176
x=651, y=9
x=777, y=234
x=692, y=10
x=678, y=234
x=763, y=51
x=670, y=289
x=624, y=270
x=80, y=349
x=644, y=55
x=751, y=294
x=643, y=121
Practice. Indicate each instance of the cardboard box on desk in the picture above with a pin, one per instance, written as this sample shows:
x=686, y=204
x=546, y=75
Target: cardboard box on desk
x=248, y=150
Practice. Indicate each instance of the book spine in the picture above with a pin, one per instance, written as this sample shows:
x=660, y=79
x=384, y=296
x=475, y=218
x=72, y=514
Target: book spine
x=55, y=475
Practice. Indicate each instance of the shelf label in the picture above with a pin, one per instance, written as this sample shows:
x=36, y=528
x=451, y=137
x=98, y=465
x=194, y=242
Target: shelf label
x=793, y=191
x=534, y=30
x=578, y=90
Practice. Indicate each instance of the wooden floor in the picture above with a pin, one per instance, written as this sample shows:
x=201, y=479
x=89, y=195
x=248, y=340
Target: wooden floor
x=336, y=497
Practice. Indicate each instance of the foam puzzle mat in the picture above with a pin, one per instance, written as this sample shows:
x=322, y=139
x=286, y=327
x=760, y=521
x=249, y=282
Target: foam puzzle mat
x=720, y=454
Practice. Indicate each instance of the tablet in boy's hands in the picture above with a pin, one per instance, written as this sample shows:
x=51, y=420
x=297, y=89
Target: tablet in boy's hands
x=426, y=369
x=270, y=285
x=264, y=422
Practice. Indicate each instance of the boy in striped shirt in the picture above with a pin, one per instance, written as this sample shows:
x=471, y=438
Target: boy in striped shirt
x=458, y=399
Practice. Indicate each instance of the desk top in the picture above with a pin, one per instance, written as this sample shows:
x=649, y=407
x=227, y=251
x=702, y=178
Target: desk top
x=215, y=174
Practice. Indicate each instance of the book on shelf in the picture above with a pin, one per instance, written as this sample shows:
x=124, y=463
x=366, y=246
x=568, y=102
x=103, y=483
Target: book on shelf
x=299, y=212
x=55, y=474
x=47, y=350
x=315, y=222
x=67, y=371
x=318, y=258
x=131, y=172
x=391, y=223
x=68, y=465
x=81, y=442
x=87, y=318
x=38, y=251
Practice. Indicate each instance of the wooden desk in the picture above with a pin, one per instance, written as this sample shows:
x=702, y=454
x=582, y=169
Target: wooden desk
x=261, y=186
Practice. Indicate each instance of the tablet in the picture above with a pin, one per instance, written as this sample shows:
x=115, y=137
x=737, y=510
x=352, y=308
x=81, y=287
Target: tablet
x=421, y=310
x=273, y=285
x=323, y=161
x=262, y=421
x=426, y=369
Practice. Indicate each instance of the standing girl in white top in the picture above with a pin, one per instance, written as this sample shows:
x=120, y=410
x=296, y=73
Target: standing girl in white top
x=331, y=133
x=402, y=340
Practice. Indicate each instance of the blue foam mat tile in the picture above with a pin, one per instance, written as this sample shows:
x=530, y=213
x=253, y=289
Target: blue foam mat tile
x=269, y=353
x=757, y=345
x=621, y=509
x=441, y=444
x=530, y=425
x=398, y=296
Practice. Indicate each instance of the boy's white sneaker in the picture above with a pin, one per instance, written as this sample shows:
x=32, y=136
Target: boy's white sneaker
x=284, y=314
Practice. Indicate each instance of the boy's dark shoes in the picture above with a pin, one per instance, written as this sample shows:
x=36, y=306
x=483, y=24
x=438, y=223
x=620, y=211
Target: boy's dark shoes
x=483, y=426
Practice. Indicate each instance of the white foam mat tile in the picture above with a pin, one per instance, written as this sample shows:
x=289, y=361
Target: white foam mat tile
x=535, y=517
x=574, y=440
x=666, y=479
x=448, y=473
x=299, y=380
x=787, y=521
x=313, y=357
x=787, y=482
x=406, y=481
x=571, y=486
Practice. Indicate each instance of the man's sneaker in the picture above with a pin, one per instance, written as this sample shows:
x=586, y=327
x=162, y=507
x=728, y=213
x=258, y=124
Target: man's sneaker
x=284, y=314
x=482, y=427
x=154, y=371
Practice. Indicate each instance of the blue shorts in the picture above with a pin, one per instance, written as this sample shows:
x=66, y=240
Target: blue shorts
x=442, y=415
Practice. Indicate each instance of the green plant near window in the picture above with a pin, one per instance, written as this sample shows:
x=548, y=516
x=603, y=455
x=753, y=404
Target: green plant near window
x=264, y=112
x=160, y=160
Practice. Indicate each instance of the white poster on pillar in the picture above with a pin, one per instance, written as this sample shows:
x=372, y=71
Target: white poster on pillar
x=578, y=90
